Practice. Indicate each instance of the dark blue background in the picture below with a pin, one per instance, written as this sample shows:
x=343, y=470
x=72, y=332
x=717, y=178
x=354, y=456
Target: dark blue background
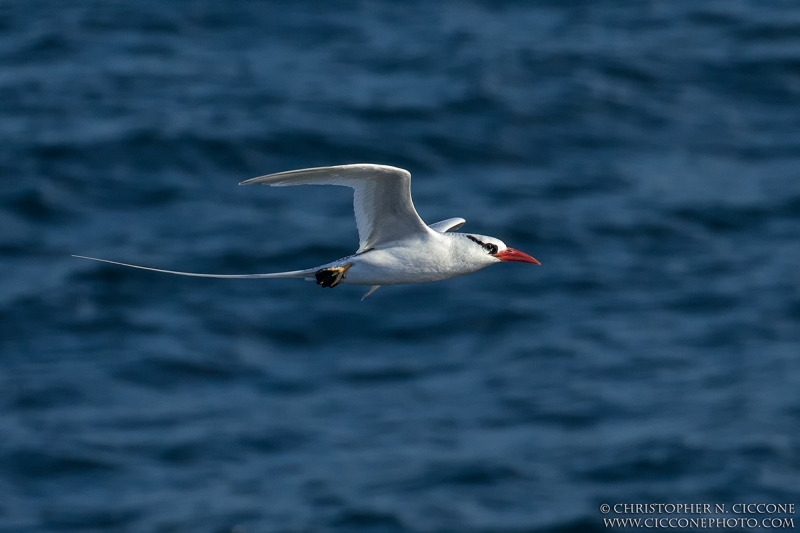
x=646, y=152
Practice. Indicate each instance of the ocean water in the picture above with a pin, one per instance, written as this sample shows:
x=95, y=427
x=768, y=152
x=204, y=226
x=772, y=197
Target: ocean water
x=648, y=153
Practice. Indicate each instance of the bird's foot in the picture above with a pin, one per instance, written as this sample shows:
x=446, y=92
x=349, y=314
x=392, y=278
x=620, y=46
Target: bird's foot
x=331, y=277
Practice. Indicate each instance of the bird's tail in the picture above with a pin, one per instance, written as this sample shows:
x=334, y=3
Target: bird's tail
x=305, y=274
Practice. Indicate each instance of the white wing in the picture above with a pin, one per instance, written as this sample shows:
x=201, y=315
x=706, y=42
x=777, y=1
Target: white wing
x=370, y=291
x=451, y=224
x=381, y=200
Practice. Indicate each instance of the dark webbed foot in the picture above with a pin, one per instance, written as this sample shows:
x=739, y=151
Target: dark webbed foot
x=331, y=277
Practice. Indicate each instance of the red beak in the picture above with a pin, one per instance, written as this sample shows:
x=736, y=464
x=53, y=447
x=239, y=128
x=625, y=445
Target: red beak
x=510, y=254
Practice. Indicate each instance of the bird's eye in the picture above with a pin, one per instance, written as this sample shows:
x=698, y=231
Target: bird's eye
x=489, y=247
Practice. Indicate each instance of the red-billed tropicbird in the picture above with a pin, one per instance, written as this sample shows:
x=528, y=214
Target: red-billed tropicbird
x=395, y=245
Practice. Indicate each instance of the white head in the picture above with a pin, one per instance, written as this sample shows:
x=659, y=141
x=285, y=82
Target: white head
x=490, y=250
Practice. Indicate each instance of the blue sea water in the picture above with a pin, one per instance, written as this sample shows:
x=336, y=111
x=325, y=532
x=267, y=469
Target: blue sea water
x=648, y=153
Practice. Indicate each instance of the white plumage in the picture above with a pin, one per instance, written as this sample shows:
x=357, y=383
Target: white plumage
x=395, y=245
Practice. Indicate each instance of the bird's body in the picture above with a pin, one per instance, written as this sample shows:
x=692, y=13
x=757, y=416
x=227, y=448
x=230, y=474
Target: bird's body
x=446, y=256
x=396, y=246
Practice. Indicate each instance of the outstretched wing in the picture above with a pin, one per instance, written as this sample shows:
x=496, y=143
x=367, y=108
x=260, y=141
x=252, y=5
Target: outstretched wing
x=381, y=199
x=451, y=224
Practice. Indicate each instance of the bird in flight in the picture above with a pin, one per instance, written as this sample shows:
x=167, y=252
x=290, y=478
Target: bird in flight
x=395, y=245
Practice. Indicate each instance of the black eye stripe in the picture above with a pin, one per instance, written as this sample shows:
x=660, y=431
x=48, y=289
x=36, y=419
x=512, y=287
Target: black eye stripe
x=489, y=247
